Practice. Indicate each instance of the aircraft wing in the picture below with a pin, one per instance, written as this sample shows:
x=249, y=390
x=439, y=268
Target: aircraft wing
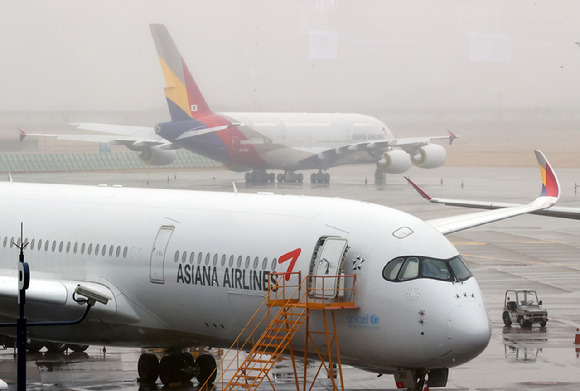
x=499, y=211
x=409, y=145
x=555, y=211
x=56, y=296
x=134, y=136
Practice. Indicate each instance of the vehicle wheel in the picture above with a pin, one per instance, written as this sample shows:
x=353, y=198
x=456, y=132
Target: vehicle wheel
x=543, y=324
x=280, y=178
x=170, y=369
x=54, y=347
x=521, y=321
x=207, y=366
x=300, y=178
x=506, y=319
x=34, y=346
x=272, y=177
x=313, y=178
x=78, y=348
x=188, y=367
x=148, y=368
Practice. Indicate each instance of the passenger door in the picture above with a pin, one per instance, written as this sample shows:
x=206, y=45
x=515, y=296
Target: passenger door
x=158, y=254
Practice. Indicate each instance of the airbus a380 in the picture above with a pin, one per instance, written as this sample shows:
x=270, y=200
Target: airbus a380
x=188, y=268
x=262, y=141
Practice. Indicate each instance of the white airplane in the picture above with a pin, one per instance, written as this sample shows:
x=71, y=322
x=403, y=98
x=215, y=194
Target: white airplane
x=188, y=268
x=261, y=141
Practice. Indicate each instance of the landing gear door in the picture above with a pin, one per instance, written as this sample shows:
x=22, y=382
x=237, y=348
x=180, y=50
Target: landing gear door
x=327, y=266
x=158, y=254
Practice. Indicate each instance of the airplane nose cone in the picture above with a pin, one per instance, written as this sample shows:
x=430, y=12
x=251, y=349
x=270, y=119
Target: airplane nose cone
x=468, y=330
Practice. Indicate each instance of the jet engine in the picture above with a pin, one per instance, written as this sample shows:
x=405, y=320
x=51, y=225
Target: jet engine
x=394, y=162
x=429, y=156
x=157, y=157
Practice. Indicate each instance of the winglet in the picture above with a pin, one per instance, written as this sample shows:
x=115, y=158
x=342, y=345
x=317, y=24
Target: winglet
x=22, y=134
x=418, y=189
x=452, y=136
x=550, y=185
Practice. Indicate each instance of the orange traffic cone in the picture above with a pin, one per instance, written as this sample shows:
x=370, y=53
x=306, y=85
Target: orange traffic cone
x=577, y=337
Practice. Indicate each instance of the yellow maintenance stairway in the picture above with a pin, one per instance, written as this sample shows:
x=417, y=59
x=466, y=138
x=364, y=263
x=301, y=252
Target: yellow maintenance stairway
x=290, y=302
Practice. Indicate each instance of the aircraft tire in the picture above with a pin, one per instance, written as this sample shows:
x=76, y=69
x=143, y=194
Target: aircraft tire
x=313, y=178
x=148, y=368
x=188, y=367
x=506, y=319
x=54, y=347
x=207, y=366
x=280, y=178
x=299, y=178
x=170, y=369
x=77, y=348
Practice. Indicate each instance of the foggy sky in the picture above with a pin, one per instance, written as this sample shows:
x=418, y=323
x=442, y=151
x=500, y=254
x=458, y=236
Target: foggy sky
x=293, y=55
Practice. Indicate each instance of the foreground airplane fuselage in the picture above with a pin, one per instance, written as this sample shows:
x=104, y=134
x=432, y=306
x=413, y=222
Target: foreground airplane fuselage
x=190, y=268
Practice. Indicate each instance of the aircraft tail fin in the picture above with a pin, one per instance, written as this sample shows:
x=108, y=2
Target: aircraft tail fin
x=184, y=98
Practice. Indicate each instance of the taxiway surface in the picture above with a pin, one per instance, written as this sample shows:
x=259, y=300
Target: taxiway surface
x=531, y=252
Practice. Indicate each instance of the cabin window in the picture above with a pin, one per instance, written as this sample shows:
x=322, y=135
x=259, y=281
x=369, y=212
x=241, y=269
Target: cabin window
x=223, y=260
x=192, y=257
x=46, y=245
x=68, y=247
x=273, y=265
x=176, y=257
x=75, y=248
x=184, y=257
x=239, y=263
x=12, y=242
x=53, y=245
x=248, y=260
x=39, y=245
x=264, y=263
x=256, y=262
x=104, y=250
x=111, y=249
x=125, y=250
x=32, y=244
x=199, y=258
x=409, y=268
x=97, y=246
x=90, y=250
x=207, y=259
x=231, y=263
x=215, y=260
x=83, y=248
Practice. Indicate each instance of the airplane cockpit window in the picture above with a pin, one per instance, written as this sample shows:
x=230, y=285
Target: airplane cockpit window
x=409, y=268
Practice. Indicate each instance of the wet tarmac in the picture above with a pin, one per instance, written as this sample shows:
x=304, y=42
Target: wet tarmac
x=532, y=252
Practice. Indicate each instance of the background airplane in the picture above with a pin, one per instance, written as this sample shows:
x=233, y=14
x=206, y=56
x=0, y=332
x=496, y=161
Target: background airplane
x=189, y=268
x=257, y=142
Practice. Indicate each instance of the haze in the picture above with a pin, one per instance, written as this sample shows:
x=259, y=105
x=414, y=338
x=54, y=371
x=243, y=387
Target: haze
x=402, y=61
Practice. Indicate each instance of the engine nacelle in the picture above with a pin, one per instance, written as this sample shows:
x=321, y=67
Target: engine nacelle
x=395, y=162
x=157, y=157
x=429, y=156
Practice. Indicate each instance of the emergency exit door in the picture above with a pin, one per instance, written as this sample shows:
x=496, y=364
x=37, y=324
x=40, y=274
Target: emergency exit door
x=327, y=267
x=158, y=254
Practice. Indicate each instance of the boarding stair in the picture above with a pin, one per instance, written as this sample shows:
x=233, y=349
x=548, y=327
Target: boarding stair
x=290, y=302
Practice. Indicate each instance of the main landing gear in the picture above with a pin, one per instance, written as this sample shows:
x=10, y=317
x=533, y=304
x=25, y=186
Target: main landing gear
x=290, y=177
x=320, y=177
x=176, y=367
x=259, y=176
